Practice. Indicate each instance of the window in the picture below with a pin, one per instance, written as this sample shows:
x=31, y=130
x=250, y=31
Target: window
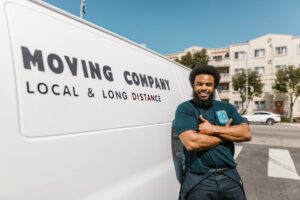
x=260, y=70
x=260, y=105
x=279, y=67
x=238, y=71
x=239, y=55
x=217, y=58
x=281, y=50
x=259, y=53
x=237, y=104
x=298, y=49
x=223, y=86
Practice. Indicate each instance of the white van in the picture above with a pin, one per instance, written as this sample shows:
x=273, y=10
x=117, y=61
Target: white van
x=85, y=114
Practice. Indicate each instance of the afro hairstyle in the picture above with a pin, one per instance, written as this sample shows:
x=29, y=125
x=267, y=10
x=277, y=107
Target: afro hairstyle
x=205, y=69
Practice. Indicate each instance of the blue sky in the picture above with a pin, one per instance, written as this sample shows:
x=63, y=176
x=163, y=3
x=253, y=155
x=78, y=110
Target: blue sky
x=169, y=26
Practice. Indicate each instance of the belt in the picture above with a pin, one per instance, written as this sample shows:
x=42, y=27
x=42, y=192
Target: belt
x=218, y=170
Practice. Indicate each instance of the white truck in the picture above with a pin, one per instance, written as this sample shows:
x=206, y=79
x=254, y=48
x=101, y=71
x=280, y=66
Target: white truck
x=85, y=114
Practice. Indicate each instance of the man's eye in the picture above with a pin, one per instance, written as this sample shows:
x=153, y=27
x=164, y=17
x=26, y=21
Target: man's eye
x=206, y=84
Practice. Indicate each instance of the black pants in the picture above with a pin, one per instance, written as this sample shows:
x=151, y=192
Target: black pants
x=226, y=185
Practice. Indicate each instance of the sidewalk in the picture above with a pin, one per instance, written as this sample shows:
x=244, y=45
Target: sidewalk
x=290, y=124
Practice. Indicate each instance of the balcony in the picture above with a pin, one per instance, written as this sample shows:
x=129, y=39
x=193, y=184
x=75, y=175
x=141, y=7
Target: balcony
x=225, y=77
x=220, y=62
x=224, y=94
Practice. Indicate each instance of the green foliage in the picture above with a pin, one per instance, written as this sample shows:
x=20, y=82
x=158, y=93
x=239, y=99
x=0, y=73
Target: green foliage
x=254, y=85
x=288, y=81
x=196, y=59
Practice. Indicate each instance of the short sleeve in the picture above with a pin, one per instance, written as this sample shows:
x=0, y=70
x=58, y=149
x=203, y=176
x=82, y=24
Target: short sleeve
x=185, y=118
x=236, y=117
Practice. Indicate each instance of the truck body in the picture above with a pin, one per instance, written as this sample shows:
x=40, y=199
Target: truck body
x=85, y=114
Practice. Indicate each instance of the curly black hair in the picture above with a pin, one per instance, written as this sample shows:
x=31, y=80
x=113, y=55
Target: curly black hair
x=205, y=69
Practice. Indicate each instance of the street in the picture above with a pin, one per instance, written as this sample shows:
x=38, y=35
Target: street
x=270, y=164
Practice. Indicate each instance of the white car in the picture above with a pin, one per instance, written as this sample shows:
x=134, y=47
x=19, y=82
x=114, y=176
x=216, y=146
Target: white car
x=264, y=117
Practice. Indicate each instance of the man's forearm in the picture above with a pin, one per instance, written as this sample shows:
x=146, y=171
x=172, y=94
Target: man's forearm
x=207, y=142
x=194, y=141
x=236, y=133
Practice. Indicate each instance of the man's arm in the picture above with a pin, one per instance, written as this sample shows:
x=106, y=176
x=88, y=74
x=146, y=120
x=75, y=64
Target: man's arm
x=234, y=133
x=194, y=141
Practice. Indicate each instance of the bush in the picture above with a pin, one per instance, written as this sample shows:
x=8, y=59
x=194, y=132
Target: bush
x=285, y=119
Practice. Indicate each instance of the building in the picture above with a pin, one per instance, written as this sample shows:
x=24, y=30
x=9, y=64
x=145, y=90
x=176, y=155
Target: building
x=266, y=55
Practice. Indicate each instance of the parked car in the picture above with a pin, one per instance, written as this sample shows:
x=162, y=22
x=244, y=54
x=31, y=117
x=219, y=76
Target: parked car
x=263, y=117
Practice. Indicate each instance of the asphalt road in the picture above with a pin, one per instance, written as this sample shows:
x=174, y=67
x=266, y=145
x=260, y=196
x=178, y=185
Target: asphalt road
x=255, y=163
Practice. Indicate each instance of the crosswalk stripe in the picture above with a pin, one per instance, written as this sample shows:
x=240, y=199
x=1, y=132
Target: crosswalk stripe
x=281, y=165
x=237, y=151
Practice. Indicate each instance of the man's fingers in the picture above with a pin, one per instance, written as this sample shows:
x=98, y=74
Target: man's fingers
x=202, y=118
x=229, y=122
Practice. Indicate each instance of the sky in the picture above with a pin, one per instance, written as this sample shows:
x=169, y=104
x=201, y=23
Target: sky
x=170, y=26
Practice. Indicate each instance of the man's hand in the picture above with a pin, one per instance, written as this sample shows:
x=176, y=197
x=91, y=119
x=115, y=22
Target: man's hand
x=229, y=122
x=207, y=128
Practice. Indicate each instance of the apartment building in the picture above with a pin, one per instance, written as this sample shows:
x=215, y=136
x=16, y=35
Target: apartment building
x=266, y=55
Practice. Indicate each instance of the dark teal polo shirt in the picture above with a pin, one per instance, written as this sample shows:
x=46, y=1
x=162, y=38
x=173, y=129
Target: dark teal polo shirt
x=220, y=156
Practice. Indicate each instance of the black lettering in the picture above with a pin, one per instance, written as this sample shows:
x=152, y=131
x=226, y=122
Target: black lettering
x=28, y=90
x=151, y=81
x=134, y=96
x=124, y=95
x=66, y=91
x=157, y=84
x=53, y=91
x=60, y=66
x=162, y=83
x=95, y=70
x=72, y=65
x=126, y=75
x=143, y=79
x=74, y=92
x=118, y=95
x=85, y=72
x=103, y=94
x=111, y=94
x=107, y=73
x=40, y=87
x=135, y=78
x=167, y=82
x=35, y=59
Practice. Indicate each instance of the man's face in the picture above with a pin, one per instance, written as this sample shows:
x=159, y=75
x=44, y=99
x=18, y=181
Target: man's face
x=204, y=86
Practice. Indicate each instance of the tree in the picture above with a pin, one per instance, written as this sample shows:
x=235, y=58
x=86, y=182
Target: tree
x=254, y=86
x=191, y=60
x=288, y=81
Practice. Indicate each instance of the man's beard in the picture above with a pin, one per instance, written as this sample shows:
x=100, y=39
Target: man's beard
x=203, y=103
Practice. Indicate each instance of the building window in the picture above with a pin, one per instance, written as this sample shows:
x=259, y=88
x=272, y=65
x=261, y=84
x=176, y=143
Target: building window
x=281, y=50
x=217, y=58
x=237, y=104
x=259, y=53
x=298, y=49
x=238, y=71
x=279, y=67
x=223, y=86
x=239, y=55
x=260, y=70
x=260, y=105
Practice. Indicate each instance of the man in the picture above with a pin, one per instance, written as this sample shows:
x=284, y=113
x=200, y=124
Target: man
x=207, y=128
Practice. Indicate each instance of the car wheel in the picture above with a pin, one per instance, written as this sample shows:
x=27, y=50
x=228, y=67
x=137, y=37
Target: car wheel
x=270, y=121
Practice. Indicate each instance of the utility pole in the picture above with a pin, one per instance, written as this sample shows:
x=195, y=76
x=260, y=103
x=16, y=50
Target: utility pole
x=246, y=57
x=82, y=8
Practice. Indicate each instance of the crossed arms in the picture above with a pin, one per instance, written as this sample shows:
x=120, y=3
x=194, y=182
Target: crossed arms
x=210, y=135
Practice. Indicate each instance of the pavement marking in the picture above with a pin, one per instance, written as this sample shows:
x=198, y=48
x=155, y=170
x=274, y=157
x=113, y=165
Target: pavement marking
x=237, y=151
x=281, y=164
